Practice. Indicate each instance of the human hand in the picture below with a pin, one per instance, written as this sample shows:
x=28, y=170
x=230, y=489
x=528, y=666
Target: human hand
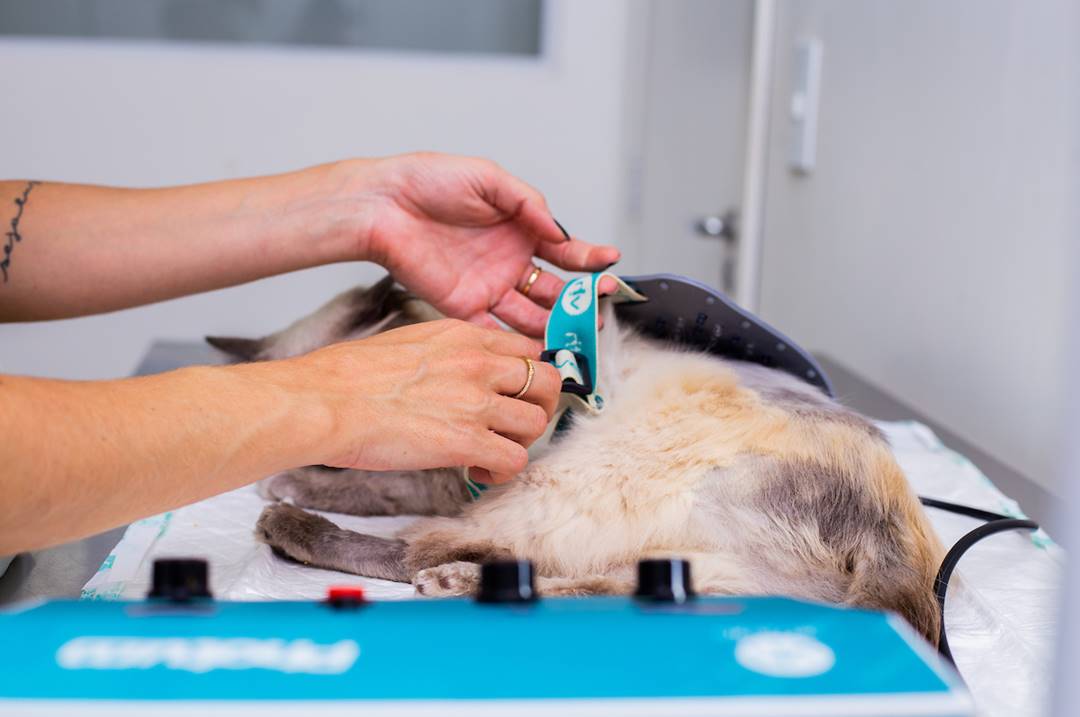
x=461, y=233
x=430, y=395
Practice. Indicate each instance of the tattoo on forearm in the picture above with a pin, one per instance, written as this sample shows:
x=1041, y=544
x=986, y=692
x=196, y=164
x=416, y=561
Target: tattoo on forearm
x=13, y=237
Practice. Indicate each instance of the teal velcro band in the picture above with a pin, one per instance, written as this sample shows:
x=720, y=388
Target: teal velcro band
x=573, y=331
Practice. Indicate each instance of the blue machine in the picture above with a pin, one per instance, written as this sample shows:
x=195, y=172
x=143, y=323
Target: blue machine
x=660, y=652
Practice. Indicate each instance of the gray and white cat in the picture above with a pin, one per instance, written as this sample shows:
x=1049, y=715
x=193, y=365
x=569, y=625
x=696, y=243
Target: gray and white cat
x=764, y=483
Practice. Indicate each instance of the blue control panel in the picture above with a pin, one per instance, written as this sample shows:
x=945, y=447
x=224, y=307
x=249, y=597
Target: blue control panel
x=758, y=656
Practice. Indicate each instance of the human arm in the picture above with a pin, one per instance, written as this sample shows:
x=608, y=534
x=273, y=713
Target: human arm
x=80, y=457
x=459, y=232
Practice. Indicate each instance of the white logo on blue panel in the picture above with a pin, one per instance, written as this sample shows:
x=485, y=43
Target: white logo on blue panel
x=784, y=654
x=577, y=297
x=203, y=654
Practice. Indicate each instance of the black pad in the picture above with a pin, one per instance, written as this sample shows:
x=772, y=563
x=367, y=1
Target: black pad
x=686, y=311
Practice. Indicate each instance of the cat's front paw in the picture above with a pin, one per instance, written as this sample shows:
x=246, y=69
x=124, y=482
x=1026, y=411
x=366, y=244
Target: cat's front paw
x=290, y=531
x=447, y=580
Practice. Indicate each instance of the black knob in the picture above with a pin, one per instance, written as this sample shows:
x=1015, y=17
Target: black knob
x=664, y=580
x=179, y=579
x=506, y=581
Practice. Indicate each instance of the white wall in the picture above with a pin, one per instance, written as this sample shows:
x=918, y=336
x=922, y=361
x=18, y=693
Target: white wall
x=139, y=114
x=929, y=249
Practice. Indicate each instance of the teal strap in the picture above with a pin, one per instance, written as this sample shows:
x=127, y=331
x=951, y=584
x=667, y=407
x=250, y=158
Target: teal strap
x=573, y=330
x=475, y=489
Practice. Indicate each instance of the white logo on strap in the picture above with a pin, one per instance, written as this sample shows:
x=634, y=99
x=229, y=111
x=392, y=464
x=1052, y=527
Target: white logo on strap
x=577, y=297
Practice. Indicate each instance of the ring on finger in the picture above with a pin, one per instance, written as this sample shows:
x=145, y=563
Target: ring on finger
x=528, y=378
x=533, y=276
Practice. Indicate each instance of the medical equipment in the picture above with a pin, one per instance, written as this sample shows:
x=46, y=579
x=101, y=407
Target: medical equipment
x=660, y=652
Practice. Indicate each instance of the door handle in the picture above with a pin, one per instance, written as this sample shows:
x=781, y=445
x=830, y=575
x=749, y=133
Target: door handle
x=719, y=226
x=725, y=227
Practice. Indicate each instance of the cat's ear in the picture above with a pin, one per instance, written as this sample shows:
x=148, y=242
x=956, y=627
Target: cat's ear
x=378, y=296
x=243, y=349
x=373, y=304
x=380, y=291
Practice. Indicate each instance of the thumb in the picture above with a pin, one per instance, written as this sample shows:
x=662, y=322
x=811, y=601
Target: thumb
x=524, y=205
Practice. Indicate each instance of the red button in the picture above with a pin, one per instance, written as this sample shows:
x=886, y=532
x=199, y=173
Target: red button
x=345, y=593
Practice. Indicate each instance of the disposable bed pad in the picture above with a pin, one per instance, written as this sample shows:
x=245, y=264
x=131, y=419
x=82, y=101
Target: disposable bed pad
x=1000, y=612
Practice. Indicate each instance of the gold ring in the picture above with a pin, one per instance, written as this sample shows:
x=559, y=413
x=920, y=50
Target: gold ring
x=528, y=379
x=531, y=280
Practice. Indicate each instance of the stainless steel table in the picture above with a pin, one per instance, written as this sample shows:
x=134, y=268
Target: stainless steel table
x=63, y=570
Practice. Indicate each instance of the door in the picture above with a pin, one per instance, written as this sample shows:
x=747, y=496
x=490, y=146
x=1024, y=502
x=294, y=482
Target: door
x=694, y=108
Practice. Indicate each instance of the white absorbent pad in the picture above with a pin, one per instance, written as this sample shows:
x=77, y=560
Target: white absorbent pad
x=1000, y=612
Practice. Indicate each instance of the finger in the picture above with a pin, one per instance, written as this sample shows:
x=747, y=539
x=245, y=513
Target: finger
x=507, y=343
x=521, y=314
x=519, y=421
x=487, y=321
x=502, y=457
x=483, y=475
x=547, y=287
x=523, y=203
x=566, y=234
x=480, y=475
x=577, y=255
x=605, y=287
x=536, y=219
x=545, y=290
x=546, y=387
x=511, y=375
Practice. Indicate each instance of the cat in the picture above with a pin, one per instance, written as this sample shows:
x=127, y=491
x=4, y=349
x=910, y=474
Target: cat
x=765, y=484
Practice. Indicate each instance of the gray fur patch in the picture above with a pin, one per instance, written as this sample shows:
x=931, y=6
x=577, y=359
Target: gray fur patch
x=359, y=492
x=839, y=506
x=314, y=540
x=869, y=545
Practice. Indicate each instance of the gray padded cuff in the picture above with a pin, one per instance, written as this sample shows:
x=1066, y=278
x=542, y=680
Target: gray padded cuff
x=686, y=311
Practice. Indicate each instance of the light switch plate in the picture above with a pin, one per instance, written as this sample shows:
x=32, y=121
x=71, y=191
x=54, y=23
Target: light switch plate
x=805, y=99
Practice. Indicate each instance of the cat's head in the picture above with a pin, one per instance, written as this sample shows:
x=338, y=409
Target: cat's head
x=354, y=314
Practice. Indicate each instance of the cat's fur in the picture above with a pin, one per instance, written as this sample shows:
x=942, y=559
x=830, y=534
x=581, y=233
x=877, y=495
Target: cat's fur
x=764, y=483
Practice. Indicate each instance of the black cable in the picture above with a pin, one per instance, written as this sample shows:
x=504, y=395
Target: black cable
x=963, y=509
x=995, y=523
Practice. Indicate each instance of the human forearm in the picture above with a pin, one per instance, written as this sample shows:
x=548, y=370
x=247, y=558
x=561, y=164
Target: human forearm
x=461, y=233
x=86, y=249
x=80, y=457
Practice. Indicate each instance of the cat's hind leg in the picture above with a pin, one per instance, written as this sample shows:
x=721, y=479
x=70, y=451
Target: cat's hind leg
x=435, y=541
x=358, y=492
x=463, y=578
x=711, y=573
x=616, y=584
x=314, y=540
